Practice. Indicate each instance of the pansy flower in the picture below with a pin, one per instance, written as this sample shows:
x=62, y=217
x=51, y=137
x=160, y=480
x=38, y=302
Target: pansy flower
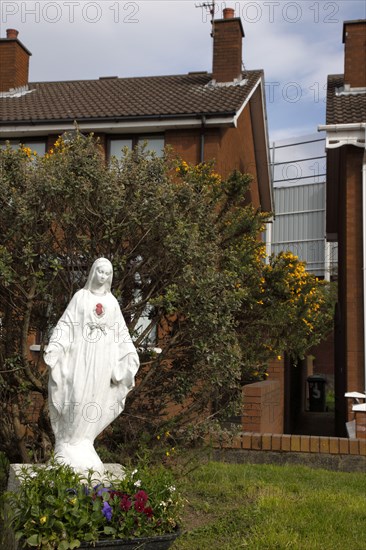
x=125, y=503
x=107, y=511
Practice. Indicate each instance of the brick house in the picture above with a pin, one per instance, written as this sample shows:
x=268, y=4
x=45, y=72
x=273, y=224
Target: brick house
x=346, y=217
x=218, y=116
x=203, y=116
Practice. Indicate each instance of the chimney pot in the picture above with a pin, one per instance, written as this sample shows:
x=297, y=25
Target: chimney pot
x=229, y=13
x=11, y=34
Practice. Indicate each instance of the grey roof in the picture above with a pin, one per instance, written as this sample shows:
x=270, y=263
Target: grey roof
x=119, y=98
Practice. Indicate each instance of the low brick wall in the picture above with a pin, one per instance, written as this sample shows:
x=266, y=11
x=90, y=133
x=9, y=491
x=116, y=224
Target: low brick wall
x=361, y=425
x=262, y=409
x=294, y=443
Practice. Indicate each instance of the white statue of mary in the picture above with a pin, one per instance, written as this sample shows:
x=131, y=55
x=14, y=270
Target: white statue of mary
x=93, y=364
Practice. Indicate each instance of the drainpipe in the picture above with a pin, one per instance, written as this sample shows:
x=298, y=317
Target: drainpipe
x=364, y=256
x=202, y=143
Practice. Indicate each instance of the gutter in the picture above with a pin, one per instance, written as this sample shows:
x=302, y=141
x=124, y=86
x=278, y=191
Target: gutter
x=112, y=125
x=344, y=134
x=120, y=122
x=341, y=127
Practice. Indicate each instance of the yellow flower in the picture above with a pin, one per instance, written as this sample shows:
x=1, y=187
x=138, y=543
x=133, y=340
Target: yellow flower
x=309, y=325
x=59, y=143
x=42, y=520
x=26, y=150
x=73, y=500
x=279, y=357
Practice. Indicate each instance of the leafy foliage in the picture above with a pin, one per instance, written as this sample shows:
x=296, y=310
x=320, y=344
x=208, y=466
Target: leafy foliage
x=187, y=258
x=55, y=507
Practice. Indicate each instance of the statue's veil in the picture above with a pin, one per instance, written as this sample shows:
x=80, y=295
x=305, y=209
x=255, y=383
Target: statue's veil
x=96, y=264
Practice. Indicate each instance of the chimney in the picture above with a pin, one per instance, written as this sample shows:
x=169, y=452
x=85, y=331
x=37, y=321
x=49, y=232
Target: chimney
x=11, y=34
x=14, y=62
x=354, y=40
x=228, y=36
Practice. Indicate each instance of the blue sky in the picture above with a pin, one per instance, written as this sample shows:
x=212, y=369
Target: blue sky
x=296, y=43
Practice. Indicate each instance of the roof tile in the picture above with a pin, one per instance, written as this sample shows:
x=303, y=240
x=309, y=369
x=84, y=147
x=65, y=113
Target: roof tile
x=344, y=109
x=164, y=96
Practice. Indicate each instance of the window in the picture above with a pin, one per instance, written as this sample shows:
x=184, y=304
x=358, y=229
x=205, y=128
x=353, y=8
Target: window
x=153, y=143
x=116, y=147
x=38, y=146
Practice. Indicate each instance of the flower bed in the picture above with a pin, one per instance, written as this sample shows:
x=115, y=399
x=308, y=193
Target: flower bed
x=58, y=508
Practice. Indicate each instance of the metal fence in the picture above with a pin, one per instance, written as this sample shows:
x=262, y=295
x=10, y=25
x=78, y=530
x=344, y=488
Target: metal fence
x=298, y=170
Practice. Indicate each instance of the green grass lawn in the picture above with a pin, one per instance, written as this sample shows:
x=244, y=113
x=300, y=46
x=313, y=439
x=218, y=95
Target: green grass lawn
x=273, y=507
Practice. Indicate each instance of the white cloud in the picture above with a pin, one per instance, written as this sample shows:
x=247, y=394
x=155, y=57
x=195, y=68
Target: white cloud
x=297, y=44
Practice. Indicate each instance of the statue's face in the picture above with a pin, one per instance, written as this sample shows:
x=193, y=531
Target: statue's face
x=101, y=274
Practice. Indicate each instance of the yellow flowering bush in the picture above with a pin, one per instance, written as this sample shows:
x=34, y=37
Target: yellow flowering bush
x=201, y=174
x=182, y=236
x=296, y=302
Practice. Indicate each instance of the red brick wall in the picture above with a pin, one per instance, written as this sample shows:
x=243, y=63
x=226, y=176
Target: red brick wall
x=227, y=54
x=237, y=152
x=324, y=356
x=276, y=370
x=230, y=148
x=293, y=443
x=351, y=270
x=262, y=407
x=361, y=425
x=186, y=143
x=14, y=65
x=355, y=54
